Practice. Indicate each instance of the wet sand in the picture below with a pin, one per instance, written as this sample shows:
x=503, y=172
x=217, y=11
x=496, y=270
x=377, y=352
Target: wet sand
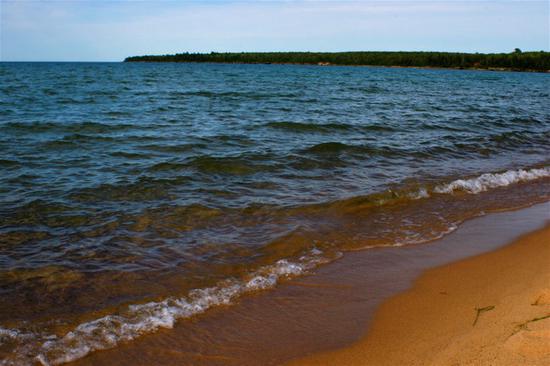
x=333, y=307
x=492, y=309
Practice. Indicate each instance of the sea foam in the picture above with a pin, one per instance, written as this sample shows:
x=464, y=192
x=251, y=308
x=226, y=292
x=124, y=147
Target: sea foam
x=489, y=180
x=136, y=320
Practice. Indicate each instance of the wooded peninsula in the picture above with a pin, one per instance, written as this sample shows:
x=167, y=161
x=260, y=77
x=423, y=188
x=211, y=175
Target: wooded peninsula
x=515, y=61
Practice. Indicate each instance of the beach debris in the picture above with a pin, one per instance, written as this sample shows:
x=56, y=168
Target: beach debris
x=479, y=311
x=531, y=344
x=531, y=338
x=524, y=326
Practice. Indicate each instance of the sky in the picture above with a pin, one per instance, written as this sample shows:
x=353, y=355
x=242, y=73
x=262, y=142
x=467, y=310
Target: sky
x=110, y=30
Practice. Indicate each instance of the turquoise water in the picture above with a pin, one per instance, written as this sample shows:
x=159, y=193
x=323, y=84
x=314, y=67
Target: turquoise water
x=122, y=184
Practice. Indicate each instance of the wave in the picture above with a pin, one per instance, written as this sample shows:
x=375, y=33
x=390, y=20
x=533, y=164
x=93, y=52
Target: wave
x=475, y=185
x=166, y=166
x=330, y=147
x=327, y=148
x=511, y=139
x=106, y=332
x=73, y=127
x=105, y=138
x=128, y=155
x=143, y=189
x=237, y=165
x=327, y=127
x=448, y=146
x=9, y=163
x=232, y=94
x=489, y=180
x=180, y=148
x=370, y=89
x=309, y=127
x=228, y=140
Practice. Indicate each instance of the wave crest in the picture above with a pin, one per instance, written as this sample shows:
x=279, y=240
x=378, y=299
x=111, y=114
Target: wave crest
x=139, y=319
x=492, y=180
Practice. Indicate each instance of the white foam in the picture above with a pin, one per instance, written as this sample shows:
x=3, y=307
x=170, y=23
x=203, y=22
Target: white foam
x=489, y=180
x=8, y=333
x=108, y=331
x=421, y=193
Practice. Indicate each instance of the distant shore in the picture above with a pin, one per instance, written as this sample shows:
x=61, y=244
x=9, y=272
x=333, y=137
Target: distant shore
x=493, y=309
x=516, y=61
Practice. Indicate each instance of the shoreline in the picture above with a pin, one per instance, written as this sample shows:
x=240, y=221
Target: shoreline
x=517, y=60
x=490, y=309
x=327, y=310
x=502, y=69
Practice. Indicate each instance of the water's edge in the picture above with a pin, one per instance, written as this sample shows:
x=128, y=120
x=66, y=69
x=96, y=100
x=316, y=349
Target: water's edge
x=328, y=309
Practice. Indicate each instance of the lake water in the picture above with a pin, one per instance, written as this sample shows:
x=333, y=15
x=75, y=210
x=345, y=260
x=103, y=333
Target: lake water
x=133, y=196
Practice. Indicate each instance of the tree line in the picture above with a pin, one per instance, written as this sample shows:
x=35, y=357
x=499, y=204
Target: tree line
x=517, y=60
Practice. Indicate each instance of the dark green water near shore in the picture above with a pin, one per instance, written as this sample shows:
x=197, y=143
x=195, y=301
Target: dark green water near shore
x=136, y=195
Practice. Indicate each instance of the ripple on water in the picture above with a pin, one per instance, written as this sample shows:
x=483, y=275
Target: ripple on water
x=124, y=187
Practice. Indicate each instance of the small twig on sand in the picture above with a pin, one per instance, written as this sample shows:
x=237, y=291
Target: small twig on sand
x=481, y=310
x=524, y=325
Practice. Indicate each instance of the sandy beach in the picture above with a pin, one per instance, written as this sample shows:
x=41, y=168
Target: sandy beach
x=491, y=309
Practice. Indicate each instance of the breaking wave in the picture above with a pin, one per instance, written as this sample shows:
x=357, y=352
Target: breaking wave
x=489, y=180
x=140, y=319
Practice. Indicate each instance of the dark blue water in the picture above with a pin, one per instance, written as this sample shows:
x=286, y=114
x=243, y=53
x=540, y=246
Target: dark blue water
x=126, y=183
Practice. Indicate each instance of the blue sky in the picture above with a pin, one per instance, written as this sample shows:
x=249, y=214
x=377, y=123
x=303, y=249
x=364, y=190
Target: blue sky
x=106, y=30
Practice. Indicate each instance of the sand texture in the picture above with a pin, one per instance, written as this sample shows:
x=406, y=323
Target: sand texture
x=492, y=309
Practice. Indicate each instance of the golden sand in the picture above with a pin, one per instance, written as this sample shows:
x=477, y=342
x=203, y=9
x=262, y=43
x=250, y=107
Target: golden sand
x=434, y=323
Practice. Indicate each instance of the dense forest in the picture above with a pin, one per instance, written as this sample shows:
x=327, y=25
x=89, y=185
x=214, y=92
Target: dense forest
x=517, y=60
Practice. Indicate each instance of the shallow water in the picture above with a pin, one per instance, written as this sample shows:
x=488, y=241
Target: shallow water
x=136, y=195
